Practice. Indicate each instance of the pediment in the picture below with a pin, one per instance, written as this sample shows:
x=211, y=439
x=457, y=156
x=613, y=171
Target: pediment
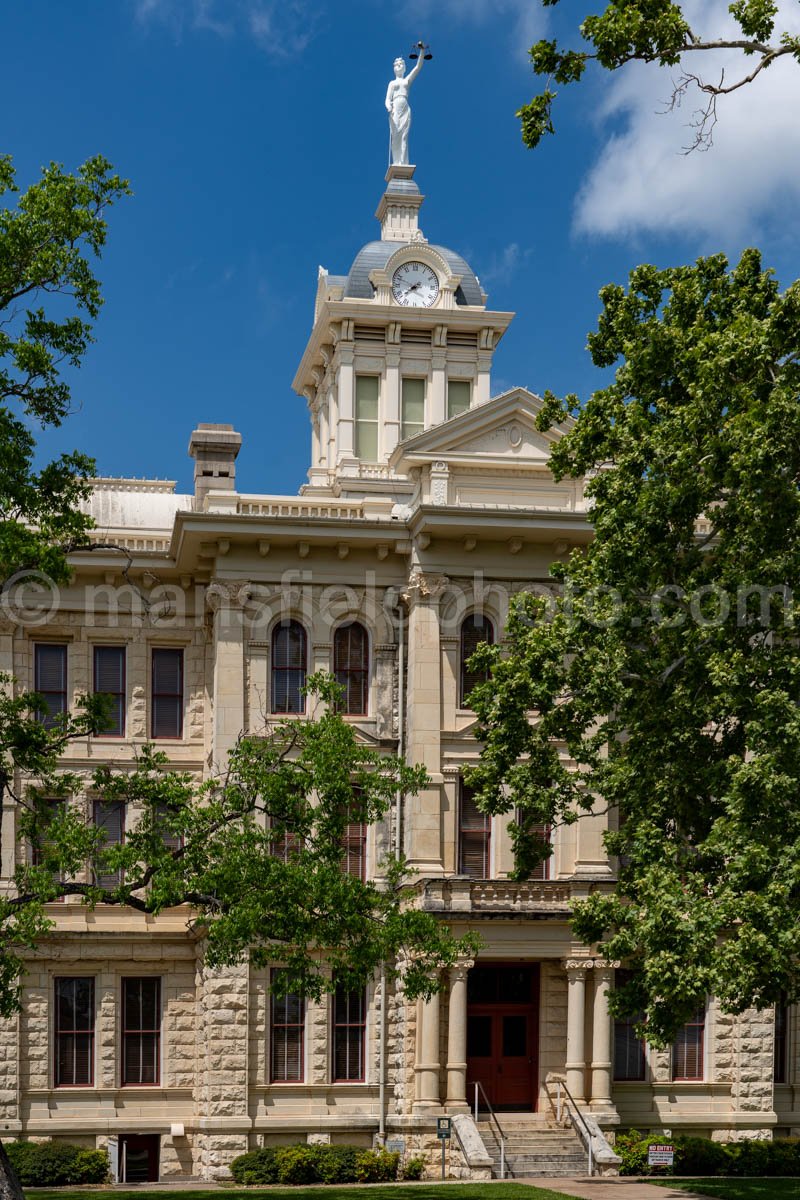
x=502, y=431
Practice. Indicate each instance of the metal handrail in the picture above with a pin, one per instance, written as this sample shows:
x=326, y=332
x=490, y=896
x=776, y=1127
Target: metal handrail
x=576, y=1112
x=493, y=1117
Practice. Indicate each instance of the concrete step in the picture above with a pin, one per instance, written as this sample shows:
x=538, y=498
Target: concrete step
x=534, y=1148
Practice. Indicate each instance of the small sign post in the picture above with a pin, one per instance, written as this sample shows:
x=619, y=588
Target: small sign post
x=660, y=1155
x=443, y=1133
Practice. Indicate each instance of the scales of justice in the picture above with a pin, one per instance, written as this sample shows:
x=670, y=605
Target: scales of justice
x=397, y=104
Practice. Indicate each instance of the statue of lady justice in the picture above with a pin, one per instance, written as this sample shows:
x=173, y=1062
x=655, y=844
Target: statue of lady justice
x=399, y=109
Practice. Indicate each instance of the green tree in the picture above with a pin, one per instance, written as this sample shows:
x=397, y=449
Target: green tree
x=659, y=32
x=258, y=853
x=666, y=666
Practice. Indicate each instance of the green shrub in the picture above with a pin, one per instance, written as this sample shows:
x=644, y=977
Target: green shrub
x=297, y=1164
x=757, y=1158
x=336, y=1164
x=414, y=1168
x=631, y=1147
x=257, y=1166
x=56, y=1164
x=377, y=1166
x=700, y=1156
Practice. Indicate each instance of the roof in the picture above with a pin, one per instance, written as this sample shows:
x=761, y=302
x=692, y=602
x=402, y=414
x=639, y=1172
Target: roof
x=375, y=256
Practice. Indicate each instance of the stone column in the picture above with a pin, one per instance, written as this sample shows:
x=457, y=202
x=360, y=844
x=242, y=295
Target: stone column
x=226, y=601
x=457, y=1038
x=576, y=1012
x=601, y=1037
x=423, y=821
x=346, y=390
x=390, y=425
x=438, y=401
x=428, y=1064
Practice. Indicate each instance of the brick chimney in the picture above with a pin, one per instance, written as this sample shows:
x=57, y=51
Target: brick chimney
x=214, y=449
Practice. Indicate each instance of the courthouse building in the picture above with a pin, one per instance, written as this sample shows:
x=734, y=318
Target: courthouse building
x=429, y=503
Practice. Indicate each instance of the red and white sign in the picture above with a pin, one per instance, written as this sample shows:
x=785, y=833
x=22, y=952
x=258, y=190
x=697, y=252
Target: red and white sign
x=660, y=1156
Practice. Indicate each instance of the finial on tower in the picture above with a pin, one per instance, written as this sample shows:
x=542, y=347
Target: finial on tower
x=397, y=105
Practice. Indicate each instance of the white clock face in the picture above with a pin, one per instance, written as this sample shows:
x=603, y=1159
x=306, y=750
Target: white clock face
x=415, y=285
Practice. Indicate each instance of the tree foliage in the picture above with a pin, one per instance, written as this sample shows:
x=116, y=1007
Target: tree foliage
x=257, y=853
x=659, y=31
x=49, y=296
x=667, y=667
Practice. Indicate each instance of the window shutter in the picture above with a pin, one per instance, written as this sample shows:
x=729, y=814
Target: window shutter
x=167, y=694
x=141, y=1015
x=51, y=668
x=351, y=666
x=289, y=657
x=288, y=1023
x=474, y=836
x=110, y=817
x=74, y=1051
x=474, y=630
x=109, y=678
x=687, y=1050
x=542, y=871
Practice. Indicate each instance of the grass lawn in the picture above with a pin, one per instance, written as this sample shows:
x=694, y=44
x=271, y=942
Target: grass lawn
x=738, y=1189
x=392, y=1191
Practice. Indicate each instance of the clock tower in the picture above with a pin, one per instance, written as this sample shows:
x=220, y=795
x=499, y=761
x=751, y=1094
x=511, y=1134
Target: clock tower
x=401, y=343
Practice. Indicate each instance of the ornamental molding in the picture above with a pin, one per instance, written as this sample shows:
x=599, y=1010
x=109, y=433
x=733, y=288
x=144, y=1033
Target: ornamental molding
x=425, y=587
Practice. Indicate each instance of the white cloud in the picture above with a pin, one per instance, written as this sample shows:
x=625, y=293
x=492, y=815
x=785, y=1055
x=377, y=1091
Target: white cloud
x=503, y=266
x=283, y=28
x=644, y=182
x=527, y=17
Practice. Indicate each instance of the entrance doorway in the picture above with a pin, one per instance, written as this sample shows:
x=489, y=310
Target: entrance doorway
x=138, y=1156
x=503, y=1034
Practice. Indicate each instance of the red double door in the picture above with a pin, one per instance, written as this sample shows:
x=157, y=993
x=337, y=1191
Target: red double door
x=503, y=1034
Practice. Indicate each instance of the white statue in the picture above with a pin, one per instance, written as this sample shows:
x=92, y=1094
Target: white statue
x=399, y=109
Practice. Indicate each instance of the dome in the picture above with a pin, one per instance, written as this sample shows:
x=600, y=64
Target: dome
x=375, y=256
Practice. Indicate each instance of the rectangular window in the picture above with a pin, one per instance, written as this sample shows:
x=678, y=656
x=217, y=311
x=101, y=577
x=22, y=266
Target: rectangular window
x=349, y=1035
x=141, y=1031
x=171, y=839
x=366, y=440
x=474, y=835
x=687, y=1050
x=74, y=1032
x=459, y=394
x=110, y=817
x=109, y=679
x=781, y=1041
x=629, y=1058
x=167, y=694
x=412, y=407
x=50, y=681
x=354, y=858
x=55, y=809
x=287, y=1028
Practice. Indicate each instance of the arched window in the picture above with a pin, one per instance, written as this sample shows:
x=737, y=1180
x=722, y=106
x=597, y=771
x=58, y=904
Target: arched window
x=289, y=659
x=474, y=629
x=351, y=666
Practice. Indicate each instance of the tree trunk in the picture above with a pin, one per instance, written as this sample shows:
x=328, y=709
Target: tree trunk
x=10, y=1187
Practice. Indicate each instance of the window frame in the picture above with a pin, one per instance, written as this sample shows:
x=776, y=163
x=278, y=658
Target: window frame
x=75, y=1031
x=141, y=1033
x=44, y=716
x=278, y=628
x=121, y=696
x=463, y=673
x=679, y=1046
x=780, y=1057
x=98, y=804
x=359, y=422
x=179, y=695
x=468, y=385
x=347, y=1026
x=364, y=672
x=299, y=1025
x=626, y=1024
x=472, y=832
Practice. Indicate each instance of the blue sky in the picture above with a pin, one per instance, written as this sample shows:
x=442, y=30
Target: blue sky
x=255, y=139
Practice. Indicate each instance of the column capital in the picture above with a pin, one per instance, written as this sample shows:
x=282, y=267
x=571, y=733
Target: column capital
x=423, y=586
x=604, y=969
x=459, y=969
x=573, y=966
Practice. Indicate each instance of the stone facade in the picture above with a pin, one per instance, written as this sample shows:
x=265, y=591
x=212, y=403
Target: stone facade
x=431, y=528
